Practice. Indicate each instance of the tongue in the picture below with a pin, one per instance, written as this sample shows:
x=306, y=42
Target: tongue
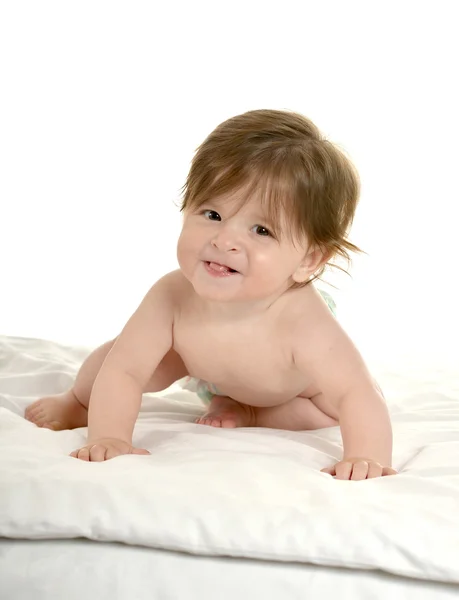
x=217, y=267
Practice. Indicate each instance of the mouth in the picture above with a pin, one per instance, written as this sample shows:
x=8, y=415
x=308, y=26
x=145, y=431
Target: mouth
x=218, y=269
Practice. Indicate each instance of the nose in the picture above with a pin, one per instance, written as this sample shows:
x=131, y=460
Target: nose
x=226, y=240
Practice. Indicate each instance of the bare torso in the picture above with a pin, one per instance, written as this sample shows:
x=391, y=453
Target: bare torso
x=250, y=360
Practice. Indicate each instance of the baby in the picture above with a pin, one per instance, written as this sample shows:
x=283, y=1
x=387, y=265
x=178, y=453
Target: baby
x=267, y=203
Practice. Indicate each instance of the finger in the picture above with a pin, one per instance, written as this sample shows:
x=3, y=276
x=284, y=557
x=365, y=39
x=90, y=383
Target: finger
x=97, y=453
x=374, y=470
x=139, y=451
x=329, y=470
x=343, y=470
x=359, y=470
x=389, y=471
x=112, y=453
x=83, y=454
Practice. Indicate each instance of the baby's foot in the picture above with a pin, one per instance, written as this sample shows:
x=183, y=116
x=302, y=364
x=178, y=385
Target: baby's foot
x=58, y=412
x=226, y=412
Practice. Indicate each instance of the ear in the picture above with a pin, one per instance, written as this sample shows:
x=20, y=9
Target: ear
x=315, y=258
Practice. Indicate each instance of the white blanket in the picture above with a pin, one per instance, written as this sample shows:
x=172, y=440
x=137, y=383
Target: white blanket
x=253, y=493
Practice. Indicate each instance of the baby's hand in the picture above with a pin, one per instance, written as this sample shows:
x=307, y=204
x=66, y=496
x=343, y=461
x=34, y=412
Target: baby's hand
x=358, y=469
x=104, y=449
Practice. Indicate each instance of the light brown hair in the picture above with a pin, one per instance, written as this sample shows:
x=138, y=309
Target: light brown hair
x=283, y=157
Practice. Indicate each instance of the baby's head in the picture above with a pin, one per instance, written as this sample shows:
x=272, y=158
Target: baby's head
x=309, y=188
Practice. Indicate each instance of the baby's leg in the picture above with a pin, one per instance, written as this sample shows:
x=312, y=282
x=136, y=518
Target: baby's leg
x=299, y=414
x=228, y=413
x=70, y=409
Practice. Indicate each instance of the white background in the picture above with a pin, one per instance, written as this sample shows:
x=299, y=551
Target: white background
x=102, y=105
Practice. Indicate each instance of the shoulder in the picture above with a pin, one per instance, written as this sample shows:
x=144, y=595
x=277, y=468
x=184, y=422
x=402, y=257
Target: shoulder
x=314, y=327
x=323, y=349
x=172, y=287
x=306, y=309
x=175, y=281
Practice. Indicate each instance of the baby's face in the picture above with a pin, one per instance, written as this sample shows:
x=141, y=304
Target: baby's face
x=231, y=255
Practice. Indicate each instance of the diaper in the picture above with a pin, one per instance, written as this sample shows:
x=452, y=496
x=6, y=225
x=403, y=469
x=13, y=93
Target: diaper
x=329, y=300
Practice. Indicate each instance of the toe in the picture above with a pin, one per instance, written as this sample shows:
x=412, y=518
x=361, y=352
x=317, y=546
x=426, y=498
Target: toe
x=35, y=418
x=204, y=420
x=28, y=416
x=39, y=419
x=30, y=408
x=30, y=411
x=38, y=416
x=55, y=425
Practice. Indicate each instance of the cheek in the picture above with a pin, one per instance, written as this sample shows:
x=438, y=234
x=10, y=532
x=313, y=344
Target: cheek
x=188, y=246
x=273, y=262
x=183, y=246
x=263, y=259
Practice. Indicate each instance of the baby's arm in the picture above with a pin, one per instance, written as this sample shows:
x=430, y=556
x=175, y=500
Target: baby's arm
x=340, y=373
x=117, y=391
x=365, y=424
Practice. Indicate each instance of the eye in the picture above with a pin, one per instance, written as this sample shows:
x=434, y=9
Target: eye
x=262, y=231
x=212, y=215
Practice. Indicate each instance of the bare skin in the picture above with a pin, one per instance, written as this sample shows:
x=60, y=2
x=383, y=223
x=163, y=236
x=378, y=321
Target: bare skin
x=276, y=354
x=70, y=409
